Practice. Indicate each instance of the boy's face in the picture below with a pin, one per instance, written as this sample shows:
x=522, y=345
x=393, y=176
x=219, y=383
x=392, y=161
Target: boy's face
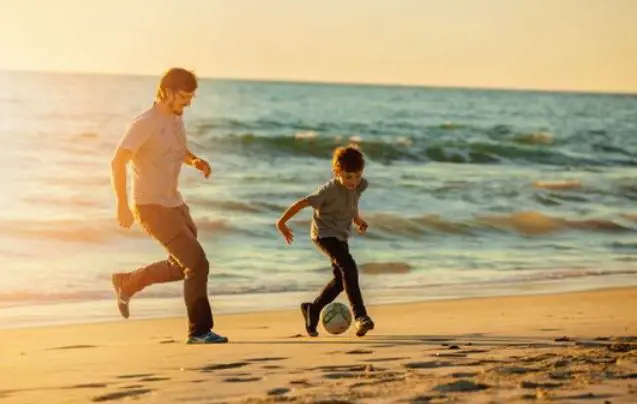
x=349, y=180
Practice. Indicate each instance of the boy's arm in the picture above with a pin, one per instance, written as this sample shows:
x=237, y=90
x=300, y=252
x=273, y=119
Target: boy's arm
x=293, y=210
x=360, y=223
x=357, y=218
x=290, y=212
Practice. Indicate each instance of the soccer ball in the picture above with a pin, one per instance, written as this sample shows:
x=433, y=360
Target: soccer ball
x=336, y=318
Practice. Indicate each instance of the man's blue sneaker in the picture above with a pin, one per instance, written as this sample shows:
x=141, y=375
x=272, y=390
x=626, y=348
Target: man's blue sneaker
x=208, y=338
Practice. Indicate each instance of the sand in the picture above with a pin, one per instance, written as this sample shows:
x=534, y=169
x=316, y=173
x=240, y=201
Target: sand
x=572, y=347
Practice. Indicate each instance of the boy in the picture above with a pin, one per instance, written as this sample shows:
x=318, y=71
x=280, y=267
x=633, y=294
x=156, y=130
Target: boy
x=335, y=207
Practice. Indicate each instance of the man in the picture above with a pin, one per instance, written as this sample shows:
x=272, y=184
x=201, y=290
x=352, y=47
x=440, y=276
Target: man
x=156, y=145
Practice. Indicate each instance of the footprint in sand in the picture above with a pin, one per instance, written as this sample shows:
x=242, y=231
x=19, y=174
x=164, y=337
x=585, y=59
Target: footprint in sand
x=72, y=347
x=534, y=385
x=359, y=352
x=474, y=351
x=301, y=382
x=135, y=375
x=118, y=395
x=389, y=378
x=460, y=386
x=340, y=375
x=451, y=355
x=237, y=374
x=278, y=391
x=154, y=379
x=426, y=399
x=89, y=386
x=482, y=362
x=427, y=365
x=385, y=359
x=463, y=375
x=345, y=368
x=241, y=379
x=515, y=370
x=585, y=396
x=223, y=366
x=346, y=371
x=267, y=359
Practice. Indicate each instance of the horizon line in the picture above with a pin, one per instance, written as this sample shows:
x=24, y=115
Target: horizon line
x=336, y=82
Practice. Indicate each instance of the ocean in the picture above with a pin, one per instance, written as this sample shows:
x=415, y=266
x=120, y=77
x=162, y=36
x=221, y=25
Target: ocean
x=472, y=192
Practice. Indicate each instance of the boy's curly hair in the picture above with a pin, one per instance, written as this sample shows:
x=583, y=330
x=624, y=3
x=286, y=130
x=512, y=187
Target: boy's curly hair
x=348, y=159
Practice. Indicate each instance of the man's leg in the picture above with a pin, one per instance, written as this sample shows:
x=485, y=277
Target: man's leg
x=167, y=270
x=127, y=285
x=174, y=229
x=190, y=288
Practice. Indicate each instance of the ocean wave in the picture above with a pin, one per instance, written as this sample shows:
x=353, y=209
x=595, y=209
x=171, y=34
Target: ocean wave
x=538, y=150
x=235, y=206
x=529, y=223
x=98, y=231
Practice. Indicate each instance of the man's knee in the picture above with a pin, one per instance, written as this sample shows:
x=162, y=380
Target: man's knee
x=199, y=269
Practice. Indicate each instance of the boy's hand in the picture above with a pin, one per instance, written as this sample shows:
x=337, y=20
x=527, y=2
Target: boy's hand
x=203, y=166
x=285, y=231
x=361, y=225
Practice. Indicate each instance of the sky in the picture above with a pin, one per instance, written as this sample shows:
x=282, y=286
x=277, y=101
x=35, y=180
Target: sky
x=581, y=45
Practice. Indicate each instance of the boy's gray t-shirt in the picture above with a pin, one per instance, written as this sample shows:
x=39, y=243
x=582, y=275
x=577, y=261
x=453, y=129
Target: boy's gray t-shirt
x=334, y=208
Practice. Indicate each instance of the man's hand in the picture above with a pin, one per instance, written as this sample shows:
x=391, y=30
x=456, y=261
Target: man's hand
x=285, y=231
x=124, y=215
x=203, y=166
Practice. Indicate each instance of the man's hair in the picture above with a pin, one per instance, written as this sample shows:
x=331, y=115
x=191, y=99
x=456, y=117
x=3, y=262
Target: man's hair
x=176, y=79
x=348, y=159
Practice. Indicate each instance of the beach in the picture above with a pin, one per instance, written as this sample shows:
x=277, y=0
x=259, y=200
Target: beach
x=563, y=347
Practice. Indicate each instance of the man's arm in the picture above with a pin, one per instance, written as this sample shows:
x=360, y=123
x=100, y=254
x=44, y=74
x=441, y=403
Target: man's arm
x=118, y=180
x=118, y=174
x=190, y=158
x=200, y=164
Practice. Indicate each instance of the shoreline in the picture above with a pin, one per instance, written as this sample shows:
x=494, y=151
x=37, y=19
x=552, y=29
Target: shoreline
x=153, y=308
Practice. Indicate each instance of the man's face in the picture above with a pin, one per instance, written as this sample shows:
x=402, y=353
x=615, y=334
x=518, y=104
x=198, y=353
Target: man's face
x=179, y=100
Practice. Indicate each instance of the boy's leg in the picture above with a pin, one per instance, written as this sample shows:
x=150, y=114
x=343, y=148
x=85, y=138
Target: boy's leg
x=331, y=291
x=338, y=251
x=312, y=311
